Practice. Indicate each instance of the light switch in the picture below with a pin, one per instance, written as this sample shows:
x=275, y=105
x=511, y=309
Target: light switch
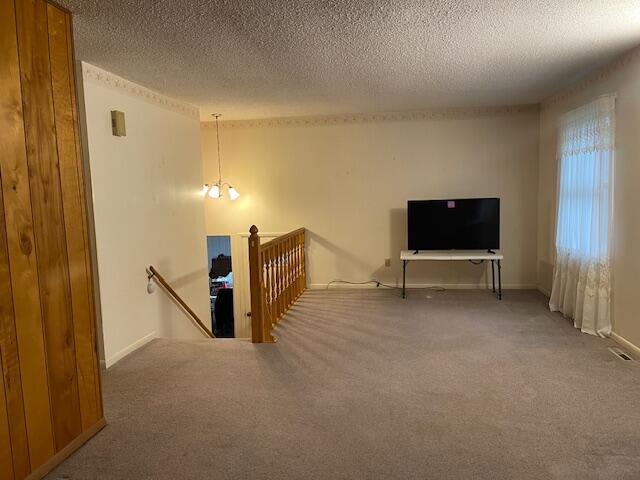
x=117, y=124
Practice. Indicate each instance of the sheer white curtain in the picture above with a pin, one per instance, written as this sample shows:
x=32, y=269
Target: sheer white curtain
x=582, y=281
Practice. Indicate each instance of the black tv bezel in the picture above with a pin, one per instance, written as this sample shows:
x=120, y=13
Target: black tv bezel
x=491, y=248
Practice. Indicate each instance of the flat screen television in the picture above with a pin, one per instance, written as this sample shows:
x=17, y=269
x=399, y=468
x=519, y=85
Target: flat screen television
x=454, y=224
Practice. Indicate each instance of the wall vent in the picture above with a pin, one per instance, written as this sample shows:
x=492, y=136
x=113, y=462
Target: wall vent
x=621, y=354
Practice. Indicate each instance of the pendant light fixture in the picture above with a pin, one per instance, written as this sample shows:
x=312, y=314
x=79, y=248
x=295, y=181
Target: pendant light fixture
x=215, y=190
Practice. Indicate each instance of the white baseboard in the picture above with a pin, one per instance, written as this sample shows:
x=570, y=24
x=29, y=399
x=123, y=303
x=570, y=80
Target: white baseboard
x=623, y=342
x=116, y=357
x=448, y=286
x=544, y=291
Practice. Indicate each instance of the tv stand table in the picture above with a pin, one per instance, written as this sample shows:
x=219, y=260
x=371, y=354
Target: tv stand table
x=479, y=256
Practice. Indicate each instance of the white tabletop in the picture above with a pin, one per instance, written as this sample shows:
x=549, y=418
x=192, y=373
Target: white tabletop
x=450, y=255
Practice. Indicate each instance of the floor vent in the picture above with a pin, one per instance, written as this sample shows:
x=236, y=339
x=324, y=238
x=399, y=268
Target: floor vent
x=621, y=354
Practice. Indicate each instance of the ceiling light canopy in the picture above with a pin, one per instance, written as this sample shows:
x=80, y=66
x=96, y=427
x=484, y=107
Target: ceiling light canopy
x=215, y=190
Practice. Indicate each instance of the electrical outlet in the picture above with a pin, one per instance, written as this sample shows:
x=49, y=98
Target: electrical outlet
x=387, y=262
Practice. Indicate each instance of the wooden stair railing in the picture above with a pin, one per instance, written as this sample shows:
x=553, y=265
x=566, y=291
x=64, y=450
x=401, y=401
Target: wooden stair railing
x=277, y=277
x=153, y=273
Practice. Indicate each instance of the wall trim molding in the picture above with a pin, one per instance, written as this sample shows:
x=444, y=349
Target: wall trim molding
x=623, y=342
x=356, y=118
x=94, y=74
x=116, y=357
x=544, y=291
x=67, y=451
x=599, y=75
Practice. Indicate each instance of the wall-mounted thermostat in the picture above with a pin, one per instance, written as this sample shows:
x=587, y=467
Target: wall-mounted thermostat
x=117, y=124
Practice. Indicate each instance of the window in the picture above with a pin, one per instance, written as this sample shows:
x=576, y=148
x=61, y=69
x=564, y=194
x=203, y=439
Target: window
x=585, y=185
x=581, y=279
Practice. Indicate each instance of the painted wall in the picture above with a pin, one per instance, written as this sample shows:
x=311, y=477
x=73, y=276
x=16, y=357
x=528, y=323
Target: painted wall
x=348, y=182
x=623, y=78
x=148, y=211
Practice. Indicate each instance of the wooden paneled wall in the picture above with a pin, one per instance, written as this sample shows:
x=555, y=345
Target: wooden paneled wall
x=50, y=398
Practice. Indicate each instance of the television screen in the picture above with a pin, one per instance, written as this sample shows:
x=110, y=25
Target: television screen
x=456, y=224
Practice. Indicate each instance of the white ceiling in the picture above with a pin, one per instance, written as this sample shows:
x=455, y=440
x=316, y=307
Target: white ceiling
x=268, y=58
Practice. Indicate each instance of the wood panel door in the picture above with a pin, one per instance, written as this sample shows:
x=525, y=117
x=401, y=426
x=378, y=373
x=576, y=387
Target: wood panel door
x=50, y=400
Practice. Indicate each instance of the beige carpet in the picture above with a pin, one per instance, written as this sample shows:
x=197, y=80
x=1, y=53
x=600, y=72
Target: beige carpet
x=365, y=385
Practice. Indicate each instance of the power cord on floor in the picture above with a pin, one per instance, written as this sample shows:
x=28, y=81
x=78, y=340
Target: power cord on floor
x=436, y=288
x=378, y=284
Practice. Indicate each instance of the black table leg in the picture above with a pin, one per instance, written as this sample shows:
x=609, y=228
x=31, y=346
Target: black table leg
x=404, y=275
x=493, y=275
x=499, y=281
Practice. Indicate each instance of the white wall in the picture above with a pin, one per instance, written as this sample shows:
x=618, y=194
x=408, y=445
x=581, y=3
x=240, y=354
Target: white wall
x=348, y=180
x=623, y=78
x=148, y=211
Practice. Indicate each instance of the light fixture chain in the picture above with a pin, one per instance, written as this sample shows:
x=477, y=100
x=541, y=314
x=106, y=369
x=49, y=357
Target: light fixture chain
x=217, y=115
x=215, y=191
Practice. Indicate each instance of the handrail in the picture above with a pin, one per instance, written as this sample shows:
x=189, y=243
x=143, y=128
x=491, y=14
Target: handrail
x=282, y=237
x=277, y=277
x=154, y=274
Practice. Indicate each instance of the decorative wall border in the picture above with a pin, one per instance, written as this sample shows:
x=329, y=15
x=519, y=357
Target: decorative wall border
x=343, y=119
x=98, y=75
x=599, y=75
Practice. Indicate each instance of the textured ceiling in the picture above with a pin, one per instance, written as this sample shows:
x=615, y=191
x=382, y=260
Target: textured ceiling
x=269, y=58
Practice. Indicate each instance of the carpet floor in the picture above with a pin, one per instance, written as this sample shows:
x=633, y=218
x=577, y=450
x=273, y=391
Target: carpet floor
x=365, y=385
